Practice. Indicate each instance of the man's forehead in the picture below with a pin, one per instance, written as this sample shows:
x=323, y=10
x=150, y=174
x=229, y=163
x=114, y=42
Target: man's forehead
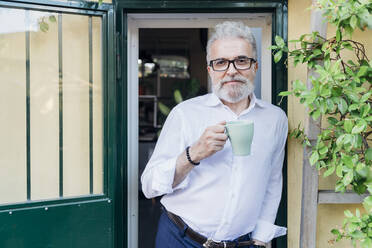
x=231, y=48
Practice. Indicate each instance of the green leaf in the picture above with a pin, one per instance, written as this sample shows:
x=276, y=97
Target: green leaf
x=279, y=41
x=330, y=105
x=329, y=171
x=368, y=200
x=298, y=85
x=44, y=27
x=177, y=96
x=285, y=93
x=273, y=47
x=348, y=178
x=357, y=213
x=363, y=69
x=278, y=56
x=342, y=106
x=353, y=107
x=364, y=110
x=353, y=21
x=348, y=125
x=340, y=187
x=348, y=213
x=352, y=228
x=314, y=157
x=360, y=127
x=365, y=97
x=348, y=46
x=347, y=160
x=368, y=154
x=52, y=18
x=362, y=170
x=332, y=120
x=340, y=140
x=335, y=232
x=325, y=91
x=348, y=30
x=163, y=109
x=315, y=114
x=339, y=170
x=323, y=150
x=338, y=35
x=353, y=96
x=366, y=243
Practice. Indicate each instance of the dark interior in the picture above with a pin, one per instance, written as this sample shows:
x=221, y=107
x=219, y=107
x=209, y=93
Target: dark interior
x=170, y=60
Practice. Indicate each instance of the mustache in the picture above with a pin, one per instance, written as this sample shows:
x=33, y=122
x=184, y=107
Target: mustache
x=235, y=78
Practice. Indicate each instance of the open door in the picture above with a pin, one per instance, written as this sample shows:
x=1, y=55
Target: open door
x=162, y=51
x=57, y=157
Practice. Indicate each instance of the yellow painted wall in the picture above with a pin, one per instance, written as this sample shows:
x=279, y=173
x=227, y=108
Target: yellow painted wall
x=329, y=216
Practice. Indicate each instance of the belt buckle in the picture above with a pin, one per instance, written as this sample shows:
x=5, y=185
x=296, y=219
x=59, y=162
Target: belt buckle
x=208, y=243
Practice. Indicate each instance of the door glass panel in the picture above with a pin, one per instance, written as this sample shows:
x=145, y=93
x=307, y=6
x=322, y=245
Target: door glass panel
x=51, y=105
x=97, y=106
x=13, y=176
x=75, y=105
x=44, y=108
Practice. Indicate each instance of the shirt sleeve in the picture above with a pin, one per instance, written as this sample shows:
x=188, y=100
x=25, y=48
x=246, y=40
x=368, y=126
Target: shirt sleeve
x=158, y=176
x=265, y=229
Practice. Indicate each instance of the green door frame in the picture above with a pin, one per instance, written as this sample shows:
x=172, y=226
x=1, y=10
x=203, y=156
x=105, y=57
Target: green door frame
x=36, y=223
x=278, y=9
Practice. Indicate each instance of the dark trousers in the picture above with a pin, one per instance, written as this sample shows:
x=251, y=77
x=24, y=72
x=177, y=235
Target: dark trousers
x=171, y=236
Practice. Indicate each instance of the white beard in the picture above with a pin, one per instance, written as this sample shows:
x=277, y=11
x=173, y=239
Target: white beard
x=233, y=93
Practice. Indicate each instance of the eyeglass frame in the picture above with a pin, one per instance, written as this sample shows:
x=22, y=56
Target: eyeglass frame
x=232, y=61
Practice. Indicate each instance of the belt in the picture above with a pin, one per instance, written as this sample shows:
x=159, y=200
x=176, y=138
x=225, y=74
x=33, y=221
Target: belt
x=205, y=242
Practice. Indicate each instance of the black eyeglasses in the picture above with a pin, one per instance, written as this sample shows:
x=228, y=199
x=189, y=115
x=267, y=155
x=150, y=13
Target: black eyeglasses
x=240, y=63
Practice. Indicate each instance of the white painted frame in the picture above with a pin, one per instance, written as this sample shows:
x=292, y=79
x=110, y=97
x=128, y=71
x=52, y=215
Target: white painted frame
x=197, y=20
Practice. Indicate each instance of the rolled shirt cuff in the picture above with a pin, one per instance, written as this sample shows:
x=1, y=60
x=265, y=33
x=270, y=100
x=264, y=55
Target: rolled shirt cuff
x=266, y=231
x=164, y=177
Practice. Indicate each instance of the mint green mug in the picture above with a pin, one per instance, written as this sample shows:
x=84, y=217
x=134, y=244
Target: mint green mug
x=240, y=134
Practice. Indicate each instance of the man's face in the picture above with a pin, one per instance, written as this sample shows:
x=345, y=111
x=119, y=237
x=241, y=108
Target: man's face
x=232, y=85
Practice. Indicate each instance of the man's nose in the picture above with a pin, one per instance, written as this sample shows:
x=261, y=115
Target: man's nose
x=231, y=70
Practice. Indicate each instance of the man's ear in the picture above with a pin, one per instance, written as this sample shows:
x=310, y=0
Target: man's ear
x=209, y=70
x=255, y=67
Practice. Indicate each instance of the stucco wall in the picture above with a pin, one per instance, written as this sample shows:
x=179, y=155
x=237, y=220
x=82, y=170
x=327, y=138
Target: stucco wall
x=329, y=216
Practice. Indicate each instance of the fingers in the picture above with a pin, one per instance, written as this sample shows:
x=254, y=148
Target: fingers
x=219, y=128
x=221, y=136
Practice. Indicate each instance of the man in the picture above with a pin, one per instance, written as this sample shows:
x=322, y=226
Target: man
x=212, y=198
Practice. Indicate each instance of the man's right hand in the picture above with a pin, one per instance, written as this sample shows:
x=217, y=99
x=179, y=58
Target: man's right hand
x=211, y=141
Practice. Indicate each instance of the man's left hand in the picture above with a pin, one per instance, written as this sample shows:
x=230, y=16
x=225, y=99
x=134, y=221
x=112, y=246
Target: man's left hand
x=257, y=242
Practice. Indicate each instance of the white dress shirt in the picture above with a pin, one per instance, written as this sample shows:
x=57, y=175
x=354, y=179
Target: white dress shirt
x=226, y=196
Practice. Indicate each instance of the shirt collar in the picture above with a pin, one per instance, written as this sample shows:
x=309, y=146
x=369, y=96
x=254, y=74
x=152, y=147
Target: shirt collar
x=213, y=100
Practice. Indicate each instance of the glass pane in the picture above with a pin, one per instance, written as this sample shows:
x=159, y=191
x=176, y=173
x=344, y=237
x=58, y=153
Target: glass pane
x=12, y=106
x=44, y=108
x=75, y=44
x=97, y=107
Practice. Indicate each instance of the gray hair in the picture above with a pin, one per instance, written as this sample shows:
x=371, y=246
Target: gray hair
x=230, y=29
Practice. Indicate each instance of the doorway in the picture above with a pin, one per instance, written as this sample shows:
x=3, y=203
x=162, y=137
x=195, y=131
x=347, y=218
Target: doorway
x=166, y=52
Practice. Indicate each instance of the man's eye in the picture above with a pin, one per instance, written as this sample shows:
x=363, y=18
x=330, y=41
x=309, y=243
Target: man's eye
x=220, y=62
x=242, y=61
